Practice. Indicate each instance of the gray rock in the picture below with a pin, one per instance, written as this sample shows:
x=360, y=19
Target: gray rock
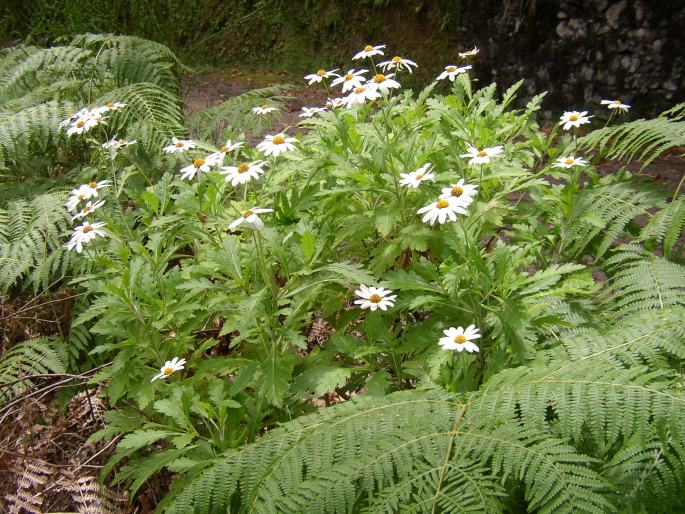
x=614, y=13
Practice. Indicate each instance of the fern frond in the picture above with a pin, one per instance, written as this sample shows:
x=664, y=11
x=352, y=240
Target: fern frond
x=666, y=226
x=602, y=214
x=38, y=356
x=30, y=131
x=640, y=280
x=132, y=59
x=235, y=114
x=428, y=451
x=41, y=67
x=144, y=101
x=30, y=244
x=642, y=139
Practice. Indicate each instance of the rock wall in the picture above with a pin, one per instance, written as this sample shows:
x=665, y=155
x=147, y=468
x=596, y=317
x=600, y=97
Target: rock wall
x=585, y=51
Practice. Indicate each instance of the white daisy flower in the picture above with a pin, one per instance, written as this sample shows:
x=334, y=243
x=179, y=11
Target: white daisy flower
x=264, y=109
x=569, y=162
x=250, y=219
x=361, y=94
x=460, y=339
x=464, y=193
x=469, y=53
x=616, y=104
x=415, y=178
x=308, y=112
x=369, y=51
x=317, y=77
x=179, y=145
x=116, y=144
x=334, y=103
x=83, y=234
x=88, y=209
x=574, y=119
x=452, y=71
x=91, y=188
x=77, y=196
x=84, y=192
x=217, y=158
x=375, y=298
x=384, y=82
x=482, y=156
x=441, y=210
x=350, y=80
x=169, y=367
x=110, y=106
x=398, y=63
x=276, y=145
x=73, y=116
x=198, y=167
x=243, y=173
x=85, y=123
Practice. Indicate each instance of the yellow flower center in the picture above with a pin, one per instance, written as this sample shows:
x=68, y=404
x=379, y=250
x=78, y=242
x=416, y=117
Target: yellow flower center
x=482, y=153
x=457, y=191
x=349, y=76
x=223, y=149
x=379, y=78
x=368, y=48
x=88, y=209
x=93, y=185
x=247, y=214
x=122, y=141
x=568, y=161
x=442, y=204
x=168, y=371
x=460, y=339
x=573, y=117
x=198, y=162
x=264, y=106
x=419, y=176
x=179, y=145
x=80, y=123
x=242, y=168
x=278, y=140
x=80, y=197
x=617, y=102
x=321, y=73
x=87, y=229
x=360, y=90
x=397, y=58
x=109, y=104
x=375, y=298
x=451, y=69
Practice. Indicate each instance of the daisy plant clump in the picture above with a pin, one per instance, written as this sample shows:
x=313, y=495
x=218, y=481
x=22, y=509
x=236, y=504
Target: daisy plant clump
x=382, y=237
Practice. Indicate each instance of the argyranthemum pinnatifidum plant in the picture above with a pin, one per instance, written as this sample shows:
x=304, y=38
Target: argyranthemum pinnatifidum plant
x=273, y=310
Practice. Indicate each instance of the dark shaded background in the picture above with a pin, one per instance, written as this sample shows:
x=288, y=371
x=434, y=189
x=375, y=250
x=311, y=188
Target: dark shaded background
x=580, y=51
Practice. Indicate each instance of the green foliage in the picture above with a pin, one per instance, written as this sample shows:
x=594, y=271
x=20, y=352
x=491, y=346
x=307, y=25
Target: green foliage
x=30, y=245
x=642, y=139
x=19, y=364
x=545, y=429
x=641, y=280
x=235, y=114
x=220, y=332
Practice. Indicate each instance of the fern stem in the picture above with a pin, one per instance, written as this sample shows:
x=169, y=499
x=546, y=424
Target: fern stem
x=448, y=454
